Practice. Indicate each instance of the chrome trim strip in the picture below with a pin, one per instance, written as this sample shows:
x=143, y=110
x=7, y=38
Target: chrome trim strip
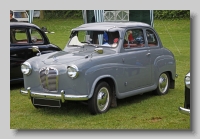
x=60, y=96
x=184, y=111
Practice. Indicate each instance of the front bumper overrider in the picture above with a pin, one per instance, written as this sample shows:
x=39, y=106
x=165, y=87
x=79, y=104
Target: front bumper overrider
x=184, y=111
x=62, y=96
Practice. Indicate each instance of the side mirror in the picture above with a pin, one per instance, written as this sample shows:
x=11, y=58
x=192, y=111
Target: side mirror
x=36, y=49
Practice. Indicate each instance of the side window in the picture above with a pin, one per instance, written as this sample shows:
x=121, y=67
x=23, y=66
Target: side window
x=18, y=36
x=134, y=38
x=151, y=38
x=36, y=37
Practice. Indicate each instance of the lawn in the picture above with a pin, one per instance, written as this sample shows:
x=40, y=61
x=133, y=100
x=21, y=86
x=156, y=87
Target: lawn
x=146, y=111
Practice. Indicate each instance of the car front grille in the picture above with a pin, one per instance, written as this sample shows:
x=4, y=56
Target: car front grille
x=49, y=78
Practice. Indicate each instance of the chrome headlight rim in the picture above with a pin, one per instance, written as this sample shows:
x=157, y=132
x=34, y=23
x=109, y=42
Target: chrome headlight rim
x=72, y=71
x=187, y=80
x=26, y=68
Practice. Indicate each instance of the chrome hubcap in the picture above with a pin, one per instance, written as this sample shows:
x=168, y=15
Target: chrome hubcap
x=163, y=83
x=103, y=99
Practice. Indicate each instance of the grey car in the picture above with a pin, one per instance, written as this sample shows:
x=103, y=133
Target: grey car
x=101, y=63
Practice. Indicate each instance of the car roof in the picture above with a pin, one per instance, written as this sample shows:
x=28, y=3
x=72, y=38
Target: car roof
x=19, y=10
x=111, y=26
x=23, y=24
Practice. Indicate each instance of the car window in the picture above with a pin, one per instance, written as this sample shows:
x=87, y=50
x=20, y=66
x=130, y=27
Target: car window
x=36, y=36
x=20, y=15
x=18, y=36
x=151, y=38
x=134, y=38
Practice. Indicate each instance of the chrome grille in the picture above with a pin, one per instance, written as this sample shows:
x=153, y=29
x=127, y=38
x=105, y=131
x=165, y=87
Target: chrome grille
x=49, y=78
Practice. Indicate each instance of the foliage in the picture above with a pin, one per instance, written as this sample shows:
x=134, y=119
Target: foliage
x=171, y=14
x=158, y=14
x=56, y=14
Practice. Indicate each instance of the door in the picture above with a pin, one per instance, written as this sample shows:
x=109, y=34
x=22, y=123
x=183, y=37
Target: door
x=136, y=61
x=19, y=44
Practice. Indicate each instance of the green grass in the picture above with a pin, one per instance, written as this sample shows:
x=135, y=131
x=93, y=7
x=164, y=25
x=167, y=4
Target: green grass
x=147, y=111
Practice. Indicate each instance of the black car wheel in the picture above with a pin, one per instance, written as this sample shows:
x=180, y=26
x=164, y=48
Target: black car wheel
x=101, y=99
x=163, y=84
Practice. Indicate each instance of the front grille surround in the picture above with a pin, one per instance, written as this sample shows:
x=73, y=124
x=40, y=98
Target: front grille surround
x=49, y=79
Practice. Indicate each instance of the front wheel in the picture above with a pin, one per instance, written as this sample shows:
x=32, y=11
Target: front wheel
x=101, y=99
x=163, y=84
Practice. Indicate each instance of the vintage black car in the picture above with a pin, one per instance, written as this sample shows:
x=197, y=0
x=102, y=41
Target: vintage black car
x=186, y=108
x=22, y=37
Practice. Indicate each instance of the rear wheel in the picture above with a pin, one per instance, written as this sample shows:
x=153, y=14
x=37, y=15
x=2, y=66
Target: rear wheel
x=101, y=99
x=163, y=84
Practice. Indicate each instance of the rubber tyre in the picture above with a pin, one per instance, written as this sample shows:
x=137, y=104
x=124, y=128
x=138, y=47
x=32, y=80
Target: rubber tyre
x=163, y=84
x=101, y=100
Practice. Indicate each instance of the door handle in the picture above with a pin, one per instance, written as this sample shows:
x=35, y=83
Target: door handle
x=148, y=54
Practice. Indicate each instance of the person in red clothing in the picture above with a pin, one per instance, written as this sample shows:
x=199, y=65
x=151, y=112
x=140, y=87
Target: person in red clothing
x=115, y=42
x=130, y=36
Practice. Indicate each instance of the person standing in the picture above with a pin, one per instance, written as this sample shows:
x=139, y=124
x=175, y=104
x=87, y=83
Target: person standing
x=11, y=17
x=130, y=36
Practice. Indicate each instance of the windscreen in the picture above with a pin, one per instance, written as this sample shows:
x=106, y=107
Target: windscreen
x=100, y=38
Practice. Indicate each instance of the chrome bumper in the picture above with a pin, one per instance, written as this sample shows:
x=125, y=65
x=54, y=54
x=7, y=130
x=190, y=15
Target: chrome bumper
x=184, y=111
x=60, y=96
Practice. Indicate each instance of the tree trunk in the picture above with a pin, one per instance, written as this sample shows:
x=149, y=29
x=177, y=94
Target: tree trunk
x=41, y=14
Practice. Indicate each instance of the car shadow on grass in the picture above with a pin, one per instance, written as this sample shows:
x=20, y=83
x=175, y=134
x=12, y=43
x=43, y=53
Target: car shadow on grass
x=135, y=99
x=17, y=86
x=80, y=108
x=69, y=108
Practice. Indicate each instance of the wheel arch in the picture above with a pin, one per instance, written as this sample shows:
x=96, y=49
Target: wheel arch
x=108, y=79
x=172, y=81
x=166, y=65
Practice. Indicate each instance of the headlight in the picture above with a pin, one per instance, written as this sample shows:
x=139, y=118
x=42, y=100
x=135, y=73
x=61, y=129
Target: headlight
x=72, y=71
x=26, y=68
x=187, y=80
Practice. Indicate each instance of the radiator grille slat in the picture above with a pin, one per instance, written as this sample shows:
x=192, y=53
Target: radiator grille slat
x=49, y=78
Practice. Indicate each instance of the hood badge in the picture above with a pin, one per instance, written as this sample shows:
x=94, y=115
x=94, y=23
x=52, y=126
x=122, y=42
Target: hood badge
x=46, y=72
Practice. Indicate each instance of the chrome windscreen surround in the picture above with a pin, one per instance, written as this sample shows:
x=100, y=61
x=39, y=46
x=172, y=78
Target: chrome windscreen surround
x=49, y=79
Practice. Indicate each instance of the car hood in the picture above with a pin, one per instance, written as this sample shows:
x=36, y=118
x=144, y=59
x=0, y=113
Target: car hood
x=72, y=55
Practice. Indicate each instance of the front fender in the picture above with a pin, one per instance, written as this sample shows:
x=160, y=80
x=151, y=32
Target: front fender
x=96, y=73
x=97, y=80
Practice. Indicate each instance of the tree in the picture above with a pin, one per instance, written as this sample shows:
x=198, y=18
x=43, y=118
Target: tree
x=41, y=14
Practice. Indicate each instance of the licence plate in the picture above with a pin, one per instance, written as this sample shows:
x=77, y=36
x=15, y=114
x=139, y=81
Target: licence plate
x=46, y=102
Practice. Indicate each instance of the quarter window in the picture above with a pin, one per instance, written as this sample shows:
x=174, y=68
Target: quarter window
x=151, y=38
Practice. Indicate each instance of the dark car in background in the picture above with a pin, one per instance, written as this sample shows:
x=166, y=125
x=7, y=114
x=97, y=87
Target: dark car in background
x=21, y=15
x=22, y=37
x=186, y=108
